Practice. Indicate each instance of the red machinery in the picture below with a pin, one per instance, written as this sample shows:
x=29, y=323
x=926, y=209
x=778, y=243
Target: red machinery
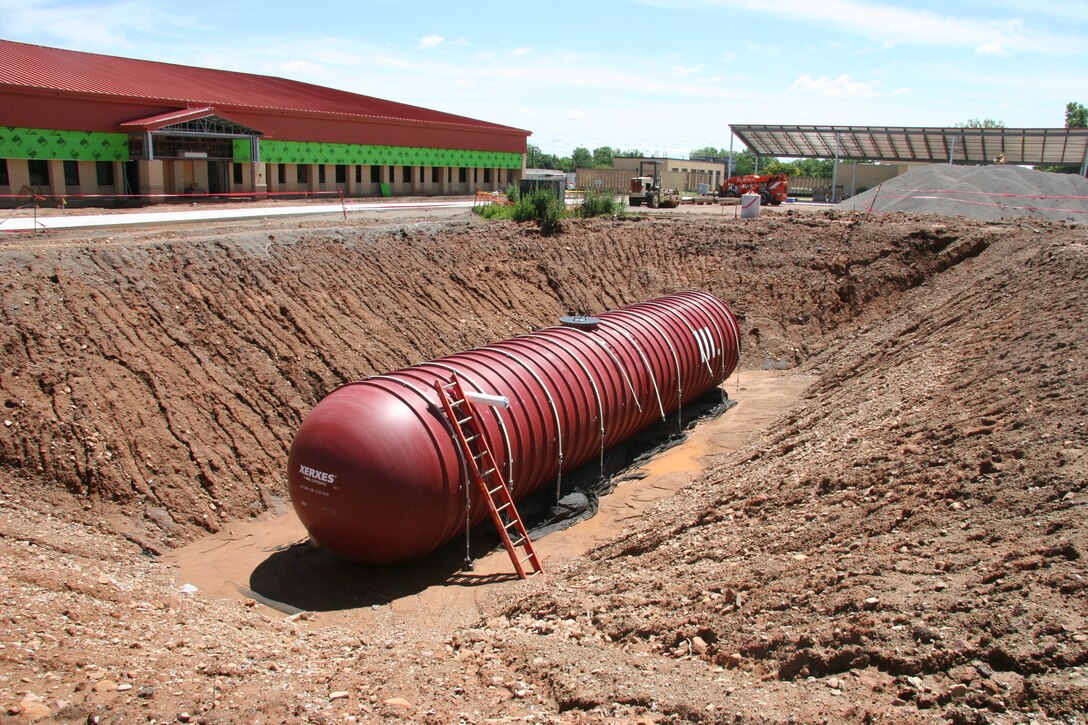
x=772, y=188
x=375, y=471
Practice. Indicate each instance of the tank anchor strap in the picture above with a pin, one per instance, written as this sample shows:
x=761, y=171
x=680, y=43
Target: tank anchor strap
x=619, y=366
x=676, y=360
x=464, y=461
x=649, y=369
x=494, y=491
x=592, y=381
x=547, y=394
x=460, y=373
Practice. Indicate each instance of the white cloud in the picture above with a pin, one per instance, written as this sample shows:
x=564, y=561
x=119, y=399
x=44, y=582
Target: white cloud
x=466, y=83
x=894, y=25
x=757, y=49
x=683, y=71
x=301, y=68
x=431, y=41
x=842, y=87
x=115, y=28
x=520, y=51
x=995, y=48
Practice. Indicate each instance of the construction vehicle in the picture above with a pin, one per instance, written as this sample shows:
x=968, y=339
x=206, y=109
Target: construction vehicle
x=647, y=189
x=772, y=188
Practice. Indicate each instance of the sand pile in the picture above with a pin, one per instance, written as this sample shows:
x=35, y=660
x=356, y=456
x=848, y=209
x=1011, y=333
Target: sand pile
x=986, y=193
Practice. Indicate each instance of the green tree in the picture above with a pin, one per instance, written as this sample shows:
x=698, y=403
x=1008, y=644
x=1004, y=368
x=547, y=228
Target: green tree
x=744, y=162
x=1076, y=115
x=774, y=166
x=708, y=151
x=603, y=156
x=581, y=158
x=819, y=168
x=532, y=156
x=979, y=123
x=537, y=159
x=631, y=154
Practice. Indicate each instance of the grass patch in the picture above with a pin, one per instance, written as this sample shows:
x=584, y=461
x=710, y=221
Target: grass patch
x=549, y=212
x=600, y=203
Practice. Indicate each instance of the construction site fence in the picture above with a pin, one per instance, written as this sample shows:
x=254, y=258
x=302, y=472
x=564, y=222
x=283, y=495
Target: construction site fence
x=619, y=180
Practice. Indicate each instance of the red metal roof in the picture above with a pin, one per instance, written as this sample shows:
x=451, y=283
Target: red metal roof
x=68, y=71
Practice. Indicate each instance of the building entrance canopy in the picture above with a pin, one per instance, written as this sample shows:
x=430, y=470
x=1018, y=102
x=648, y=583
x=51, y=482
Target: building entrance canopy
x=186, y=134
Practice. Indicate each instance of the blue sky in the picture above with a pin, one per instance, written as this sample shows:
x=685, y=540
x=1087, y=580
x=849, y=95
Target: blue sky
x=661, y=76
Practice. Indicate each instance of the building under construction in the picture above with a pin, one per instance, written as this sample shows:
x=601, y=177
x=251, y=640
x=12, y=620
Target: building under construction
x=75, y=123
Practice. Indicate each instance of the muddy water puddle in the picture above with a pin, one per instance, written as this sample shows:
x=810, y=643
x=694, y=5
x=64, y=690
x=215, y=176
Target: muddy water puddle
x=268, y=559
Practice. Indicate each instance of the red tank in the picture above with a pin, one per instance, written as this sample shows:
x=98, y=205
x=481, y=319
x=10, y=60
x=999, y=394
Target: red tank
x=376, y=476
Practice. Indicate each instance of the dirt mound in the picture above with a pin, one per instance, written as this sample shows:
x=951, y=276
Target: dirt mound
x=986, y=193
x=160, y=381
x=906, y=544
x=912, y=536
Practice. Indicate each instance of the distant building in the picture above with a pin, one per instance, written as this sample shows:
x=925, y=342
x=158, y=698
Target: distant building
x=81, y=123
x=695, y=172
x=683, y=174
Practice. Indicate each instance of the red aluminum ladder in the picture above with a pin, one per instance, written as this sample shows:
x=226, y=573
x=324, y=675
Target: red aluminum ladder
x=483, y=470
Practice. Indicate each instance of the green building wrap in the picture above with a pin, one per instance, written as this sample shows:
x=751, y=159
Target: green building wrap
x=306, y=152
x=56, y=145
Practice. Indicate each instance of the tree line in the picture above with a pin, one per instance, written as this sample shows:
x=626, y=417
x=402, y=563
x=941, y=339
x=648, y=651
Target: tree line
x=1076, y=116
x=743, y=161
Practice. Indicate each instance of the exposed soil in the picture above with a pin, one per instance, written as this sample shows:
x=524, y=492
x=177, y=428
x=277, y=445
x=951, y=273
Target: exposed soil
x=904, y=542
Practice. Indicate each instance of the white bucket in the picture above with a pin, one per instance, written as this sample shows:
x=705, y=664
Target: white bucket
x=749, y=206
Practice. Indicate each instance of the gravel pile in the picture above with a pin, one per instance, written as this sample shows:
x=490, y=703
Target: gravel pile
x=986, y=193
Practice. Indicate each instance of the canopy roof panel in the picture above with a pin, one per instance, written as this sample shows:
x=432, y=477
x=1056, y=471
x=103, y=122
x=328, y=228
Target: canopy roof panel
x=1044, y=146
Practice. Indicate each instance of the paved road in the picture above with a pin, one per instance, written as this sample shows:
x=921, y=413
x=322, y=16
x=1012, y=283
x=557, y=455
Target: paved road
x=23, y=219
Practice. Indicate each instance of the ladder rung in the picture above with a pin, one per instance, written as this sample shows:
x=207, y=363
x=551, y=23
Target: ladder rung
x=493, y=491
x=488, y=472
x=471, y=438
x=519, y=542
x=505, y=506
x=529, y=557
x=462, y=421
x=456, y=403
x=479, y=455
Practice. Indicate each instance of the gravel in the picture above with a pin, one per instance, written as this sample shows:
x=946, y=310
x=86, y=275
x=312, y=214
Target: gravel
x=985, y=193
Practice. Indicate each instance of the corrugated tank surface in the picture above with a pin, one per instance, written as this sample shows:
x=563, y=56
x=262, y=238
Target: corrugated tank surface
x=376, y=476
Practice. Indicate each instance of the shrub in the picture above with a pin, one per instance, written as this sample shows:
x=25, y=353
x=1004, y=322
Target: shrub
x=597, y=203
x=494, y=211
x=541, y=206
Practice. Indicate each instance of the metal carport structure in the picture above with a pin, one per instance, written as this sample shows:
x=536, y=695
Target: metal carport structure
x=1034, y=146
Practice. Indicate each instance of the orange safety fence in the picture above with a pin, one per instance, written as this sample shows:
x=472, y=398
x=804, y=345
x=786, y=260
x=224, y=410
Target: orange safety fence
x=485, y=198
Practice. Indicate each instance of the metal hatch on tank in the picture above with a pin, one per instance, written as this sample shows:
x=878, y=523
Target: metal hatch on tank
x=375, y=471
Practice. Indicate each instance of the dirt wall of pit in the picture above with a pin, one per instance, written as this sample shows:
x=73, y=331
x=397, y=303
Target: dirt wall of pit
x=154, y=381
